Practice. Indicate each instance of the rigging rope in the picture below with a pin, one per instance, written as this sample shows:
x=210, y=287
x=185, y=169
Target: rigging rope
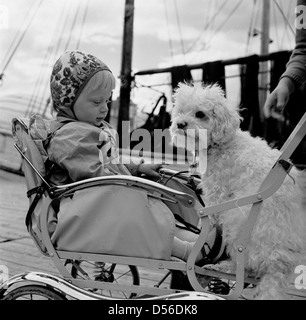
x=180, y=31
x=251, y=27
x=82, y=25
x=20, y=39
x=16, y=35
x=285, y=33
x=73, y=25
x=255, y=22
x=227, y=18
x=276, y=29
x=76, y=15
x=65, y=49
x=207, y=17
x=48, y=56
x=169, y=34
x=206, y=26
x=284, y=16
x=222, y=24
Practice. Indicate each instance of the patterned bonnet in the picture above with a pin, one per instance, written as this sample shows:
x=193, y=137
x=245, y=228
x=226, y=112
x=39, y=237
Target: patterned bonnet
x=70, y=75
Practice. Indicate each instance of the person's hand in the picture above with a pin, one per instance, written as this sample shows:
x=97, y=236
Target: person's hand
x=150, y=170
x=278, y=99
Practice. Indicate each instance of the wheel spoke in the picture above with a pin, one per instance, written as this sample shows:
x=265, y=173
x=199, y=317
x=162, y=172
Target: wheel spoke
x=109, y=272
x=33, y=292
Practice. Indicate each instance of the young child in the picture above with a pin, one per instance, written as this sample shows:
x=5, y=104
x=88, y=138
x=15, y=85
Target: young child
x=81, y=86
x=82, y=144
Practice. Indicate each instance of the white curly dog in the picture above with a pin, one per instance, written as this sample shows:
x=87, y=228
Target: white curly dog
x=237, y=164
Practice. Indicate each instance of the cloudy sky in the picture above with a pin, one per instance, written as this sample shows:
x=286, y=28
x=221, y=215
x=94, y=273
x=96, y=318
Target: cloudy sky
x=166, y=33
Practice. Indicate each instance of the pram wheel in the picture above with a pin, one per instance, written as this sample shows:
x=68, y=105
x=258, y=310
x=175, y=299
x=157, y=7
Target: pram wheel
x=107, y=272
x=33, y=292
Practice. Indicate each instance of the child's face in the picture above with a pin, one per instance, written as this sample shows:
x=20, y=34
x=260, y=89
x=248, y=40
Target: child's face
x=91, y=106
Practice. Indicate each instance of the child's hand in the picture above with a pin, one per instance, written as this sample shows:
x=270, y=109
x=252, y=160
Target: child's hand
x=150, y=170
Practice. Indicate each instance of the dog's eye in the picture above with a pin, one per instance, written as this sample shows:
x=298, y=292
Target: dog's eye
x=200, y=115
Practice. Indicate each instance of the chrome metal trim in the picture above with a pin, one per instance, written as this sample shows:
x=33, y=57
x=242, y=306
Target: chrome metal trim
x=120, y=179
x=67, y=289
x=58, y=284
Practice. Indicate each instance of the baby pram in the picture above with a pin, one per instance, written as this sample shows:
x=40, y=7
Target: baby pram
x=49, y=206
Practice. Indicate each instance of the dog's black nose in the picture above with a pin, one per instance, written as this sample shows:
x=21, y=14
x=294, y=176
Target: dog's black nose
x=182, y=125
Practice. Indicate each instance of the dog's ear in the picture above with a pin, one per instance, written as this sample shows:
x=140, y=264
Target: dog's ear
x=225, y=118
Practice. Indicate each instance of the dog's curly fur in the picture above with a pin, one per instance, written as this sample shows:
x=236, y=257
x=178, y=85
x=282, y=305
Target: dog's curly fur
x=237, y=164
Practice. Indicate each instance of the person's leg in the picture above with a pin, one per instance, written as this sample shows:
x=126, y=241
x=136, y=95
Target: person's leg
x=184, y=241
x=181, y=249
x=185, y=235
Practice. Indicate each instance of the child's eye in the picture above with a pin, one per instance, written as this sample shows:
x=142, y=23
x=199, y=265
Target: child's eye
x=99, y=102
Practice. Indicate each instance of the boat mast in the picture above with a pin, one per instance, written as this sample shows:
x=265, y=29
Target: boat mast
x=126, y=66
x=264, y=50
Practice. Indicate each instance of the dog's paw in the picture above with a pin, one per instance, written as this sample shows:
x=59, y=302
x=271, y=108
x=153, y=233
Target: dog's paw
x=225, y=266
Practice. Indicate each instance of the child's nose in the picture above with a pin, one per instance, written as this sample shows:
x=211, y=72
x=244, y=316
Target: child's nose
x=104, y=107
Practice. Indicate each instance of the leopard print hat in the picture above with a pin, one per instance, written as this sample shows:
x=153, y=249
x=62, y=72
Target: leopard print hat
x=70, y=74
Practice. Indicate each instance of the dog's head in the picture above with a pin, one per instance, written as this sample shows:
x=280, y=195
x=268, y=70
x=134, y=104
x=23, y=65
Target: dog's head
x=202, y=107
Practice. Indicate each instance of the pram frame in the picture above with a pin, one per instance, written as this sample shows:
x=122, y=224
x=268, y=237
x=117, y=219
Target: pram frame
x=269, y=186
